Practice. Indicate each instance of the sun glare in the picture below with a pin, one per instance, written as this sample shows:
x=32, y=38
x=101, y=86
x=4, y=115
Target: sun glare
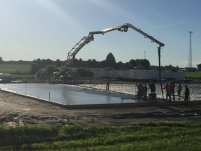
x=64, y=16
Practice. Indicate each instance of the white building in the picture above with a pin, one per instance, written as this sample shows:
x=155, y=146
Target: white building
x=133, y=74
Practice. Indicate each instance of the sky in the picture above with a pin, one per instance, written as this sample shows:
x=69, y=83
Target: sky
x=49, y=29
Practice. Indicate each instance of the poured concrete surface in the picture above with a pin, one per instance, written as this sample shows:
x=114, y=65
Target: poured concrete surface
x=69, y=95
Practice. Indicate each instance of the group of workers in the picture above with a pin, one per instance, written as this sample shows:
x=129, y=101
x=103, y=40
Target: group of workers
x=142, y=91
x=170, y=91
x=169, y=88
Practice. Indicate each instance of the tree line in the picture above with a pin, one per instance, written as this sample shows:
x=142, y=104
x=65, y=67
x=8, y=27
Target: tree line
x=49, y=66
x=110, y=62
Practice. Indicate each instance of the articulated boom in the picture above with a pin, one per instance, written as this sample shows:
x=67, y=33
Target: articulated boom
x=144, y=34
x=90, y=37
x=86, y=40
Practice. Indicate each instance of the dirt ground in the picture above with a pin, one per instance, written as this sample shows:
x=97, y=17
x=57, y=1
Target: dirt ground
x=21, y=110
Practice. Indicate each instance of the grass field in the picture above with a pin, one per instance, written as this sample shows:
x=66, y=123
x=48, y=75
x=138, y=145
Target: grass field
x=163, y=136
x=196, y=74
x=14, y=68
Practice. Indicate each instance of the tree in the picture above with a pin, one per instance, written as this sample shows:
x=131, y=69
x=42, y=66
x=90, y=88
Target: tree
x=103, y=64
x=127, y=65
x=1, y=60
x=80, y=63
x=89, y=63
x=43, y=63
x=199, y=67
x=51, y=69
x=170, y=68
x=42, y=74
x=58, y=63
x=143, y=62
x=110, y=60
x=94, y=63
x=46, y=62
x=38, y=62
x=85, y=73
x=133, y=63
x=34, y=68
x=120, y=65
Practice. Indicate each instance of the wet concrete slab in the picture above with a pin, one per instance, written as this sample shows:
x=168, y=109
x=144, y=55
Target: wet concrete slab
x=69, y=95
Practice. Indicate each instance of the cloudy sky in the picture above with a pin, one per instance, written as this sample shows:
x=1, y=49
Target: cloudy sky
x=32, y=29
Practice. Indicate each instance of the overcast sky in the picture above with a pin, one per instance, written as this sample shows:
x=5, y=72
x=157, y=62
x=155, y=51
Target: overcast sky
x=32, y=29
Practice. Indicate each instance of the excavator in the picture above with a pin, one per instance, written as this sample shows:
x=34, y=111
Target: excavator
x=87, y=39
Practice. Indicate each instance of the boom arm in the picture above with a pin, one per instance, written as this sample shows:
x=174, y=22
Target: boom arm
x=145, y=35
x=90, y=37
x=159, y=48
x=84, y=41
x=87, y=39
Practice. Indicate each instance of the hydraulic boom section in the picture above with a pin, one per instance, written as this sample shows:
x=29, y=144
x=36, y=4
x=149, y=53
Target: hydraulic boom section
x=144, y=34
x=159, y=48
x=90, y=37
x=85, y=40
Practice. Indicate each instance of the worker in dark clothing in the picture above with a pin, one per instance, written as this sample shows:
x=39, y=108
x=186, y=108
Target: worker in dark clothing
x=140, y=89
x=108, y=84
x=152, y=87
x=179, y=88
x=145, y=92
x=171, y=90
x=167, y=91
x=186, y=94
x=152, y=95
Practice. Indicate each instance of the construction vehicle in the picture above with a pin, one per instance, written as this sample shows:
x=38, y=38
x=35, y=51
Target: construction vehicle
x=87, y=39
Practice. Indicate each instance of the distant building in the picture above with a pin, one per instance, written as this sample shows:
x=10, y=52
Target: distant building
x=140, y=67
x=153, y=67
x=139, y=75
x=190, y=69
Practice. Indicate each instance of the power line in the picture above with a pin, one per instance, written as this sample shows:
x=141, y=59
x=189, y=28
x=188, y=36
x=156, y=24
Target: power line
x=190, y=52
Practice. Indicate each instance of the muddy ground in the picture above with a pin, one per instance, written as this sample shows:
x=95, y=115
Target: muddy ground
x=21, y=110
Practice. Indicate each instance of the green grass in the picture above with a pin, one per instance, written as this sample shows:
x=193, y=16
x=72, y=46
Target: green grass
x=159, y=136
x=14, y=68
x=196, y=74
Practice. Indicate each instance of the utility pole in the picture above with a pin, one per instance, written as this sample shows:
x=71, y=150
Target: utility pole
x=144, y=54
x=190, y=52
